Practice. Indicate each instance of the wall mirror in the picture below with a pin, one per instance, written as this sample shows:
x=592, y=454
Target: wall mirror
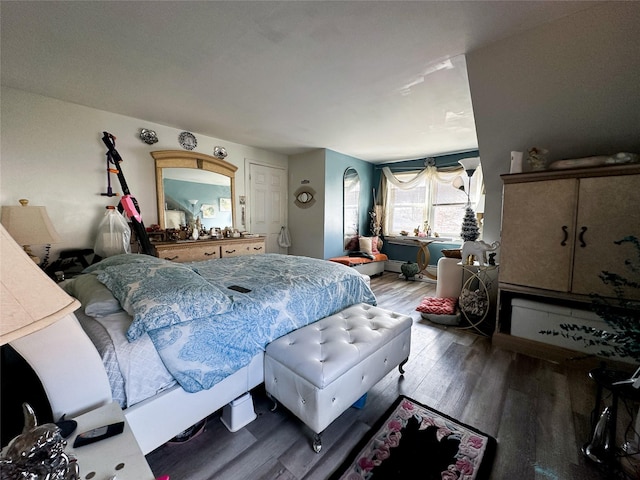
x=351, y=186
x=190, y=184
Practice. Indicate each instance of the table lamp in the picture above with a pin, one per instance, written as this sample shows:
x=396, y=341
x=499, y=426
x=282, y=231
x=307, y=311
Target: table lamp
x=30, y=300
x=29, y=225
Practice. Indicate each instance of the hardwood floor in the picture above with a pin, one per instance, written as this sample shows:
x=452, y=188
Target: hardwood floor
x=537, y=410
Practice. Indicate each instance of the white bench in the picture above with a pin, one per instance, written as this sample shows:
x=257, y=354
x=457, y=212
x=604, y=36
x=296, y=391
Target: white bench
x=320, y=370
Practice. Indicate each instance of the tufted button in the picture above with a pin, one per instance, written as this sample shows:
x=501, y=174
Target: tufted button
x=333, y=400
x=304, y=401
x=385, y=360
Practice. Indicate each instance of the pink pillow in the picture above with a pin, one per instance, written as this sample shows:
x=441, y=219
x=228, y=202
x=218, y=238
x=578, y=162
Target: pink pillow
x=439, y=306
x=374, y=245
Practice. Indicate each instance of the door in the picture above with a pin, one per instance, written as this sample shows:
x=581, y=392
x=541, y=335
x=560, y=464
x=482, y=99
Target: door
x=608, y=214
x=268, y=203
x=537, y=240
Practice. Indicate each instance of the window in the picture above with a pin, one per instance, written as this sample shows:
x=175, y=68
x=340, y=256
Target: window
x=428, y=196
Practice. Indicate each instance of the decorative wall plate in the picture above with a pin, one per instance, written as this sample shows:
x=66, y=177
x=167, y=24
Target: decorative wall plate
x=187, y=140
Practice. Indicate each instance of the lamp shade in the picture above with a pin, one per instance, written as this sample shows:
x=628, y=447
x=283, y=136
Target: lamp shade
x=470, y=164
x=458, y=183
x=29, y=225
x=29, y=299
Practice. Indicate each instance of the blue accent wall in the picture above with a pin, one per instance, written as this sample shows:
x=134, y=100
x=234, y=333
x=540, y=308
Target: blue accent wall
x=407, y=253
x=335, y=165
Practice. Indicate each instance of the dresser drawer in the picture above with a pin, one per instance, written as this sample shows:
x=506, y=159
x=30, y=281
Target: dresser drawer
x=244, y=248
x=189, y=253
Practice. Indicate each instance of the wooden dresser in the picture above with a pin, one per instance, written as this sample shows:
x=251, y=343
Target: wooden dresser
x=197, y=250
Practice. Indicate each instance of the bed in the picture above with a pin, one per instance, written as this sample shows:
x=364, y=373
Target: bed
x=178, y=344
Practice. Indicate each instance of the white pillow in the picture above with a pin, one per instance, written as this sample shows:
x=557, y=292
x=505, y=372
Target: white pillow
x=96, y=299
x=365, y=245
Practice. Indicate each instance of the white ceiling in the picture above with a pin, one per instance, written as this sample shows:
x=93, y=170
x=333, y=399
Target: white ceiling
x=380, y=81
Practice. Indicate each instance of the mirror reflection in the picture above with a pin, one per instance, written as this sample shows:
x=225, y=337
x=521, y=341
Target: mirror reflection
x=193, y=186
x=351, y=184
x=190, y=193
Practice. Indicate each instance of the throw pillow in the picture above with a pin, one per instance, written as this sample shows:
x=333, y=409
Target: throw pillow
x=365, y=245
x=353, y=244
x=439, y=306
x=96, y=299
x=375, y=249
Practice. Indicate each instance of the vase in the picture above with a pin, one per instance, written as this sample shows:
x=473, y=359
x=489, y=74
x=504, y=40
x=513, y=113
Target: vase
x=409, y=269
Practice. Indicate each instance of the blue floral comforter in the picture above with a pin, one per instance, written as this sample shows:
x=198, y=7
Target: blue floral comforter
x=203, y=330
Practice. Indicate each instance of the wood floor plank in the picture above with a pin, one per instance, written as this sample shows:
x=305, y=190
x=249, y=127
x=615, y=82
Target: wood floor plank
x=516, y=453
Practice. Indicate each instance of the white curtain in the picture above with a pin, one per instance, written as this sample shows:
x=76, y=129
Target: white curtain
x=429, y=174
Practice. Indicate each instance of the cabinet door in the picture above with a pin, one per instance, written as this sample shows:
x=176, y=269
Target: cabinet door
x=537, y=244
x=608, y=212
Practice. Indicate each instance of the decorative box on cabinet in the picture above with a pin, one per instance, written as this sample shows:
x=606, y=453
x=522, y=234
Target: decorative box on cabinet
x=198, y=250
x=561, y=230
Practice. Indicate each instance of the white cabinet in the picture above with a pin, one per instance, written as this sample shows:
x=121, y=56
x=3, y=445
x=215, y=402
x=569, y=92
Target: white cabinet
x=565, y=234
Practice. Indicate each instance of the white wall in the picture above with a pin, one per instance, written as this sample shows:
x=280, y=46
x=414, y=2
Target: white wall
x=52, y=154
x=571, y=86
x=306, y=225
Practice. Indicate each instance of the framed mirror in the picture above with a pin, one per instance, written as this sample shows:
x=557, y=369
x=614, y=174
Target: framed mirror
x=351, y=190
x=190, y=184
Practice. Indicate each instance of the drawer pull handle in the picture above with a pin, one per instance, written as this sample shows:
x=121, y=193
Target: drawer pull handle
x=172, y=258
x=230, y=251
x=566, y=236
x=257, y=248
x=581, y=237
x=210, y=254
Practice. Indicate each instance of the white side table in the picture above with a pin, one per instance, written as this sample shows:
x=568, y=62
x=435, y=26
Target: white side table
x=119, y=455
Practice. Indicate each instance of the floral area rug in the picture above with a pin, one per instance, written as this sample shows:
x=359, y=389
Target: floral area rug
x=411, y=438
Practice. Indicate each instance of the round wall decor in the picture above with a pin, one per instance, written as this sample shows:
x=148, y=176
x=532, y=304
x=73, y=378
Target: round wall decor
x=187, y=140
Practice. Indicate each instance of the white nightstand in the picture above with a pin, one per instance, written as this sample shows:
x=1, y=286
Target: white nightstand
x=119, y=455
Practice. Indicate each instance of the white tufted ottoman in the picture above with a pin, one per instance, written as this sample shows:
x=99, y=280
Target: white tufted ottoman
x=320, y=370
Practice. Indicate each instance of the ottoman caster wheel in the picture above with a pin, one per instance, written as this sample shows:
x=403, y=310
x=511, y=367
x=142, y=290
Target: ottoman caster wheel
x=317, y=443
